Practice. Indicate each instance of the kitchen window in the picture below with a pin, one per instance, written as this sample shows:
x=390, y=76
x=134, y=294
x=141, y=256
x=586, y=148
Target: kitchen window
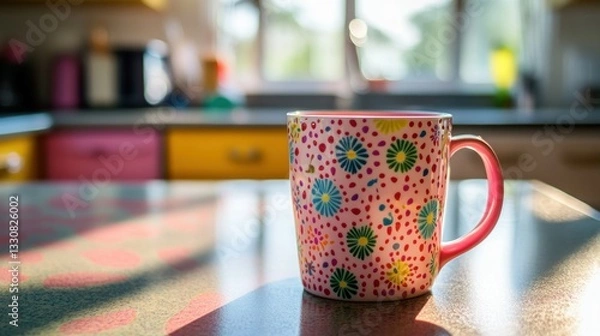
x=315, y=45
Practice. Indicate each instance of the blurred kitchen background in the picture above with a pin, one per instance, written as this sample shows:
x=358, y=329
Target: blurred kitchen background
x=200, y=87
x=62, y=54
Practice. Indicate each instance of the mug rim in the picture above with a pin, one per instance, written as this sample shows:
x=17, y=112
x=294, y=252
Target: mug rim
x=370, y=114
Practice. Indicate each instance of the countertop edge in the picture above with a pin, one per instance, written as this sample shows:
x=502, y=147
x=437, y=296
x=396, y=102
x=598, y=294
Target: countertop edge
x=165, y=118
x=12, y=126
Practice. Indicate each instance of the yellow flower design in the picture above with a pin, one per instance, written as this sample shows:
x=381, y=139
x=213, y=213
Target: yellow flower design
x=398, y=273
x=387, y=126
x=294, y=129
x=445, y=144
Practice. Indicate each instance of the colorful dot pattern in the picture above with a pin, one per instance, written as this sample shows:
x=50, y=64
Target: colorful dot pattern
x=368, y=202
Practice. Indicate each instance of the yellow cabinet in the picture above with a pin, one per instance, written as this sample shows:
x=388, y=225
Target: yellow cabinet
x=18, y=158
x=227, y=153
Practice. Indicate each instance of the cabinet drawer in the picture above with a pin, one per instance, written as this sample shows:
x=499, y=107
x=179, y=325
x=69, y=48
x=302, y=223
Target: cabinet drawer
x=18, y=159
x=581, y=150
x=227, y=153
x=102, y=155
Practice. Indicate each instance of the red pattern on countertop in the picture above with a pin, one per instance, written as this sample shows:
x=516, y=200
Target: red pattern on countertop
x=198, y=307
x=99, y=323
x=26, y=257
x=118, y=258
x=119, y=232
x=60, y=245
x=82, y=279
x=6, y=277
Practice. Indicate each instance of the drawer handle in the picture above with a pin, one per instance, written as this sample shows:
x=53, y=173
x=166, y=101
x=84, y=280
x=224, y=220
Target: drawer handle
x=97, y=152
x=252, y=155
x=11, y=164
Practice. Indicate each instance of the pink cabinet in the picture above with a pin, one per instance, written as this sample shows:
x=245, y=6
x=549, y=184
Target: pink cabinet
x=103, y=155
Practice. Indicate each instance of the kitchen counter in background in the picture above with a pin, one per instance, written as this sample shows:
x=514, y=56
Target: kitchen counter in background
x=21, y=124
x=11, y=125
x=276, y=117
x=190, y=258
x=557, y=146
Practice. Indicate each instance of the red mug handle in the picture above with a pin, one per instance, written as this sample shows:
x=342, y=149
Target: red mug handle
x=453, y=249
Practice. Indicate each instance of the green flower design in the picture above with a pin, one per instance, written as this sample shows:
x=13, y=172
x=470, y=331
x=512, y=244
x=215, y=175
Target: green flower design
x=427, y=220
x=361, y=241
x=326, y=197
x=351, y=154
x=343, y=283
x=433, y=265
x=401, y=156
x=291, y=151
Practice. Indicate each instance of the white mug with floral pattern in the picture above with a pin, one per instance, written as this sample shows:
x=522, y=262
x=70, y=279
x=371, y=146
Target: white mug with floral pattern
x=369, y=192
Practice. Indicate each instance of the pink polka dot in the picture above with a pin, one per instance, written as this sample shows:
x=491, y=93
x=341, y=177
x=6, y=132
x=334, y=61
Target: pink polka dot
x=99, y=323
x=178, y=258
x=113, y=258
x=198, y=307
x=81, y=279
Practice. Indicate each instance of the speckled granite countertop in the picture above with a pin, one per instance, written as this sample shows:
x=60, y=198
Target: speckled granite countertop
x=189, y=258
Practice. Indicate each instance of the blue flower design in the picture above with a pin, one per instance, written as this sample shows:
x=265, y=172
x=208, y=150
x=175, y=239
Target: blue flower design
x=291, y=151
x=351, y=154
x=326, y=197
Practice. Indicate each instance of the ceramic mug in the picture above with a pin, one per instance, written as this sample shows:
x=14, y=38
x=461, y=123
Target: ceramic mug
x=369, y=192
